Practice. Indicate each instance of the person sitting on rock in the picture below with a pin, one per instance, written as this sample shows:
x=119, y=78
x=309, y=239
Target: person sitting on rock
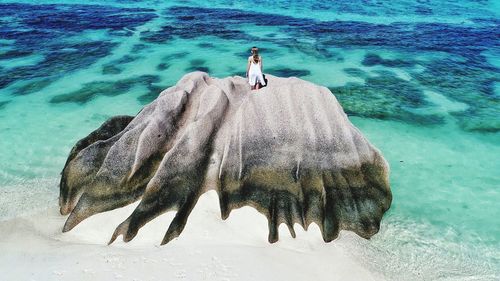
x=254, y=70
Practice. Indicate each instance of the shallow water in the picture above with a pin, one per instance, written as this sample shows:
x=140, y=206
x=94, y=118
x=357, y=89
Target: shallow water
x=420, y=79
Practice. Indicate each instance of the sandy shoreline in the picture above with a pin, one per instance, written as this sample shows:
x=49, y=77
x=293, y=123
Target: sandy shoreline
x=33, y=248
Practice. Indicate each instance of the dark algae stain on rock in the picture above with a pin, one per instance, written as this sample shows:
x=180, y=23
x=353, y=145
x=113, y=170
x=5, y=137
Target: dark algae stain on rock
x=247, y=167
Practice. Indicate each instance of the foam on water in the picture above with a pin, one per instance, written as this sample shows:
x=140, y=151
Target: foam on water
x=431, y=108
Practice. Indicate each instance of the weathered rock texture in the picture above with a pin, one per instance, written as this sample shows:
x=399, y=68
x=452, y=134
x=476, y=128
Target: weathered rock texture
x=287, y=150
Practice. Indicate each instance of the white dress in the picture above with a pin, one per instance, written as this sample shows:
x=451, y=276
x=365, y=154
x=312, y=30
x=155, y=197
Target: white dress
x=254, y=73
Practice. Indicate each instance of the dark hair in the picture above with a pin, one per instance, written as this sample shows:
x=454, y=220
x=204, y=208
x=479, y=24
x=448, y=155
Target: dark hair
x=255, y=54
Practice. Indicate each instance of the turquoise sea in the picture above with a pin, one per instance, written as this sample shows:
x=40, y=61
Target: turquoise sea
x=421, y=79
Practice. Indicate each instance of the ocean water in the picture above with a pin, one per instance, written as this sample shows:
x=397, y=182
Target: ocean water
x=421, y=79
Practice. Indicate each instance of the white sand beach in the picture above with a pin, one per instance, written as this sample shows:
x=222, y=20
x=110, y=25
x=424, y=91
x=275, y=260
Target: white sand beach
x=34, y=248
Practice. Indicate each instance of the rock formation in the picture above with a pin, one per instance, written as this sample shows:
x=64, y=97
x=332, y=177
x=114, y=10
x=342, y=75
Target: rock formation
x=288, y=150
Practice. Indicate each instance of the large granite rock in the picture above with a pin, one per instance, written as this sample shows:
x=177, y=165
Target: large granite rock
x=287, y=150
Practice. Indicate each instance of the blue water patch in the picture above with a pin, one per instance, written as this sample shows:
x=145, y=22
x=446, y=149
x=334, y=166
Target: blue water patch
x=356, y=72
x=385, y=97
x=189, y=22
x=162, y=66
x=288, y=72
x=14, y=54
x=197, y=65
x=470, y=82
x=466, y=42
x=151, y=94
x=75, y=18
x=33, y=86
x=3, y=104
x=265, y=50
x=46, y=30
x=116, y=66
x=105, y=88
x=374, y=59
x=63, y=59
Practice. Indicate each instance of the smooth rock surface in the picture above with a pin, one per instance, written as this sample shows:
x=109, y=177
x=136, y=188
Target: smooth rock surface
x=287, y=150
